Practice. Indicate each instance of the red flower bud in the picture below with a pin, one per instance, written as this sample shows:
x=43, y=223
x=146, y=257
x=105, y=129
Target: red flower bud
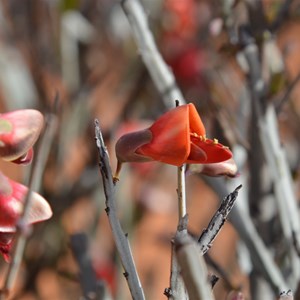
x=19, y=130
x=177, y=137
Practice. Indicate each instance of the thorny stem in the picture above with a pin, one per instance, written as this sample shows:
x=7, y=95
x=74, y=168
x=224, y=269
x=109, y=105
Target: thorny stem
x=23, y=231
x=194, y=270
x=120, y=237
x=177, y=288
x=215, y=225
x=181, y=187
x=286, y=295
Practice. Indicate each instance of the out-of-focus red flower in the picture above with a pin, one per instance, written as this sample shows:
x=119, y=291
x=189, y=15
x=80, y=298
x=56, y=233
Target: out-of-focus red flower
x=182, y=17
x=188, y=65
x=12, y=196
x=19, y=130
x=177, y=137
x=106, y=271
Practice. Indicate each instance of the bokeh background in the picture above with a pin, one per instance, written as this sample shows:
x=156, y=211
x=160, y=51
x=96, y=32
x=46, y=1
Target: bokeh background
x=84, y=51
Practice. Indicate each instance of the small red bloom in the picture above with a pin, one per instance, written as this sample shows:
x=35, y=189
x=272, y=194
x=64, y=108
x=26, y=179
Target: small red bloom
x=177, y=137
x=19, y=130
x=12, y=195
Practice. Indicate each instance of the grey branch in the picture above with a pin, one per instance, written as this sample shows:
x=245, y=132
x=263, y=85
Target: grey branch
x=286, y=295
x=277, y=163
x=177, y=289
x=160, y=73
x=193, y=268
x=208, y=235
x=260, y=254
x=120, y=237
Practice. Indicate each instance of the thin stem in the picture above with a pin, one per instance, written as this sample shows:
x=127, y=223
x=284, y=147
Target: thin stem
x=193, y=268
x=120, y=237
x=181, y=191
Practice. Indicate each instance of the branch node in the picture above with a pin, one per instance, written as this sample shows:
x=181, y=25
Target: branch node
x=168, y=292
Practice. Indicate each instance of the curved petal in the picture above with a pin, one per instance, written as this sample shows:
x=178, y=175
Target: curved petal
x=12, y=196
x=170, y=137
x=19, y=130
x=25, y=159
x=215, y=151
x=127, y=146
x=195, y=121
x=197, y=154
x=225, y=168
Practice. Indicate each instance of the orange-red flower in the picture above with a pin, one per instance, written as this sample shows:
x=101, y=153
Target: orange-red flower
x=19, y=130
x=12, y=195
x=177, y=137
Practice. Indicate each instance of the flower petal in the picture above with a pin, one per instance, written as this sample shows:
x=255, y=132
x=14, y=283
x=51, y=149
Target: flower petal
x=128, y=144
x=215, y=151
x=171, y=137
x=197, y=154
x=25, y=159
x=195, y=121
x=225, y=168
x=12, y=196
x=19, y=130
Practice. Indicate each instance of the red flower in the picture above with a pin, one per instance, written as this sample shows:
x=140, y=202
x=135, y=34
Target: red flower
x=12, y=195
x=19, y=130
x=177, y=137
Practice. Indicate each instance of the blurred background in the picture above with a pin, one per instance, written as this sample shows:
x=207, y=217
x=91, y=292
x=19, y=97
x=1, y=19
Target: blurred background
x=84, y=51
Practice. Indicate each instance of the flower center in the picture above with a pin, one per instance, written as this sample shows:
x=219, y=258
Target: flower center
x=204, y=139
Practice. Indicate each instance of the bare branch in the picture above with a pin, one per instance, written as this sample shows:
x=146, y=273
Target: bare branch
x=160, y=73
x=215, y=225
x=193, y=268
x=177, y=289
x=260, y=255
x=286, y=295
x=120, y=237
